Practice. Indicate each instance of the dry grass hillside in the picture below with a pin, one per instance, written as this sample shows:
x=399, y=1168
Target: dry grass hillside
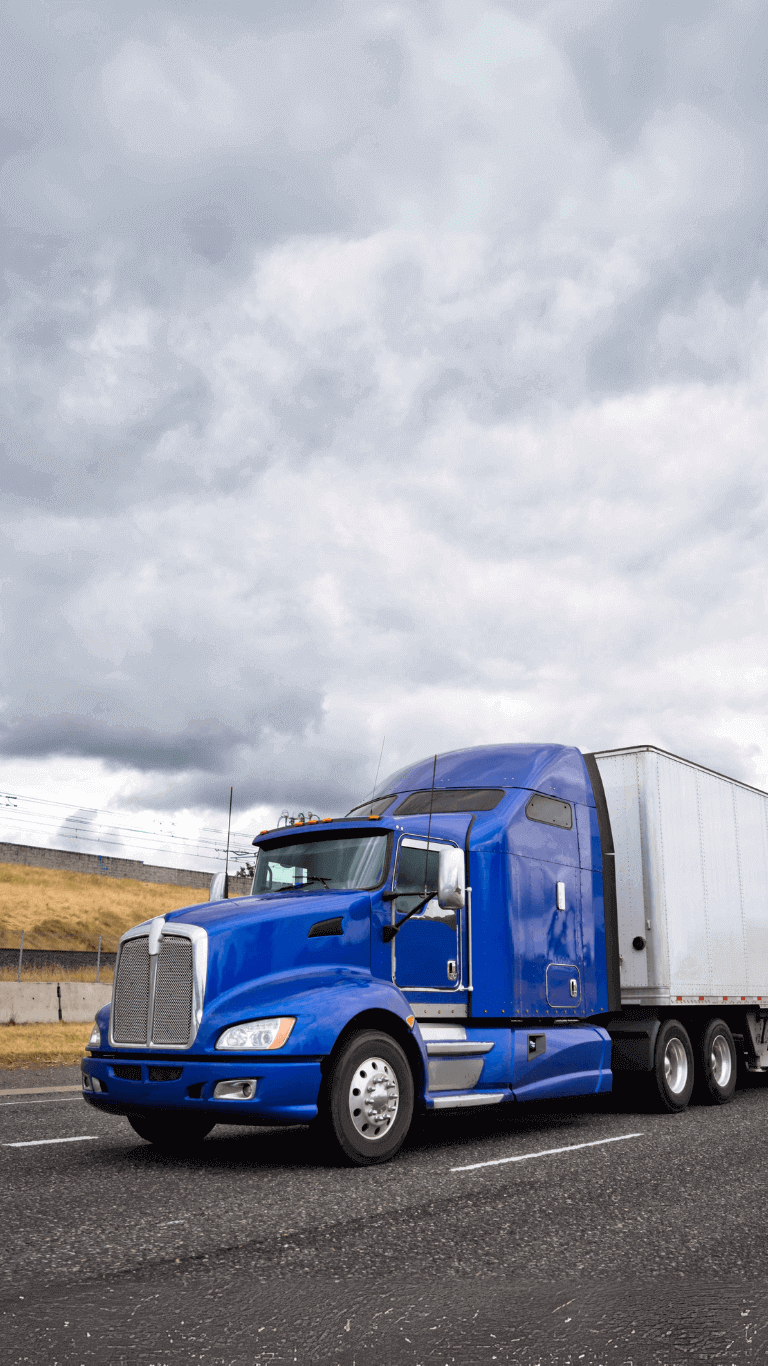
x=42, y=1044
x=63, y=910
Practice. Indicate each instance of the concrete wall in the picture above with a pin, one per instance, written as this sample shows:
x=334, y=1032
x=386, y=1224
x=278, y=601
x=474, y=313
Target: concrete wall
x=65, y=860
x=40, y=1002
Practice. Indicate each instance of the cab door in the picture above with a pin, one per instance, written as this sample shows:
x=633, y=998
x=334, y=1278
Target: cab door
x=428, y=951
x=545, y=892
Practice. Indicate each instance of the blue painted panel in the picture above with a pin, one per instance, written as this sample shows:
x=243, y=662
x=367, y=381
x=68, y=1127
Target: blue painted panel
x=559, y=979
x=323, y=1002
x=594, y=968
x=590, y=848
x=286, y=1091
x=572, y=1065
x=536, y=840
x=493, y=947
x=422, y=950
x=542, y=934
x=497, y=1065
x=558, y=770
x=569, y=1084
x=254, y=937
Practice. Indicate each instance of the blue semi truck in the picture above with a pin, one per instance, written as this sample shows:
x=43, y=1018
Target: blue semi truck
x=459, y=940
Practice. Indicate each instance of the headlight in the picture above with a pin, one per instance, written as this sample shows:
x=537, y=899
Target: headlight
x=95, y=1039
x=257, y=1034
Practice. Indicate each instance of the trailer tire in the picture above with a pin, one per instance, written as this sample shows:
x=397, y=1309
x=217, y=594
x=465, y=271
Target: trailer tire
x=369, y=1099
x=716, y=1064
x=171, y=1133
x=672, y=1067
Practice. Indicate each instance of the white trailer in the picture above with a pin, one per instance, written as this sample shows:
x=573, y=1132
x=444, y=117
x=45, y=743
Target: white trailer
x=691, y=870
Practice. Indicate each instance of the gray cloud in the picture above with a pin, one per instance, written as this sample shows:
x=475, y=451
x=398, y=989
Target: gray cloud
x=381, y=370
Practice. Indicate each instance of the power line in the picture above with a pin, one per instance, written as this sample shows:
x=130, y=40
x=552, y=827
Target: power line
x=22, y=815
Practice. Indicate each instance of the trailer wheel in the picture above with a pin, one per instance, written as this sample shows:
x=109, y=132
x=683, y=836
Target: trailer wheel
x=369, y=1099
x=171, y=1133
x=716, y=1064
x=673, y=1067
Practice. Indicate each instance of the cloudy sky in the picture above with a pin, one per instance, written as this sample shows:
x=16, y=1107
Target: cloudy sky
x=378, y=370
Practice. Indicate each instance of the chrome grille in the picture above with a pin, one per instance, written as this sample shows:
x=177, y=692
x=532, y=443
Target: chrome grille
x=131, y=993
x=172, y=1016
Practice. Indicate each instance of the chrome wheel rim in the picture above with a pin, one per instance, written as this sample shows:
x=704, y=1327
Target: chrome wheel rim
x=720, y=1061
x=675, y=1066
x=374, y=1098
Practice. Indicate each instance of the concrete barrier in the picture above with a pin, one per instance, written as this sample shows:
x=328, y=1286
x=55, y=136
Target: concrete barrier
x=39, y=1002
x=81, y=1000
x=28, y=1003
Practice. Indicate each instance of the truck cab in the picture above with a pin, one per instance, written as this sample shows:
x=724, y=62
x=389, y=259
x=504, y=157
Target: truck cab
x=443, y=945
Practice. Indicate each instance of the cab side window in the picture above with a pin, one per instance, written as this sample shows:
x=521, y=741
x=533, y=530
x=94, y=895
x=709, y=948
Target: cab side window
x=411, y=868
x=544, y=827
x=550, y=811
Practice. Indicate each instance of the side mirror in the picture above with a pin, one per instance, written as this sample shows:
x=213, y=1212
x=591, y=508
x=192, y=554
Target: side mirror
x=218, y=890
x=450, y=879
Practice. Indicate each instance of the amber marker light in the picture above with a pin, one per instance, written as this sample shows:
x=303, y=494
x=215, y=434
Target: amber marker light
x=410, y=1020
x=327, y=819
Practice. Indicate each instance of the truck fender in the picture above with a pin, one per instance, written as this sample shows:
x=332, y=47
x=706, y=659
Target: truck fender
x=387, y=1022
x=324, y=1002
x=633, y=1044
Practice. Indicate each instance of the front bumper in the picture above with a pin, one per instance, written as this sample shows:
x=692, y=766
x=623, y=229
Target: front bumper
x=286, y=1090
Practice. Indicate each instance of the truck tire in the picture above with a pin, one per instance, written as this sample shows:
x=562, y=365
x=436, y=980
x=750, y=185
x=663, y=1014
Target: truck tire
x=672, y=1067
x=171, y=1133
x=716, y=1064
x=369, y=1099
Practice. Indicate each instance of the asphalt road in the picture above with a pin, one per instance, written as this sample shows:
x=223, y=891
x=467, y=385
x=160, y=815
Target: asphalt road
x=646, y=1250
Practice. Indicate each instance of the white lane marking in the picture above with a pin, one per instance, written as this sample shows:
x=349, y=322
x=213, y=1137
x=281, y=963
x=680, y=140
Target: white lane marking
x=36, y=1142
x=546, y=1152
x=39, y=1090
x=58, y=1100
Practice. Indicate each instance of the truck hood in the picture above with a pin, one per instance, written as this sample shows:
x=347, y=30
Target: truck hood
x=254, y=938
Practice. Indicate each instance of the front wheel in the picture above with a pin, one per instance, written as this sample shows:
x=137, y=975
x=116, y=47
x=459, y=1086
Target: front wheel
x=673, y=1067
x=716, y=1064
x=171, y=1133
x=369, y=1099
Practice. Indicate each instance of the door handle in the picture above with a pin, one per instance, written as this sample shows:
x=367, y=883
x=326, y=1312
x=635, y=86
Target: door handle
x=452, y=974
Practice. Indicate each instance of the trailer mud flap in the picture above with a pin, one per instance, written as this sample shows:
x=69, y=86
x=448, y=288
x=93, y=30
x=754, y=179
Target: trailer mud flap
x=633, y=1044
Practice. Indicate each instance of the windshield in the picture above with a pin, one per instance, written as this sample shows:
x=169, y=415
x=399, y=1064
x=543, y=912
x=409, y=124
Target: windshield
x=346, y=863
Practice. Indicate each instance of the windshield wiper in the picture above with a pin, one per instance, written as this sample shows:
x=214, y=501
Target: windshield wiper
x=297, y=886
